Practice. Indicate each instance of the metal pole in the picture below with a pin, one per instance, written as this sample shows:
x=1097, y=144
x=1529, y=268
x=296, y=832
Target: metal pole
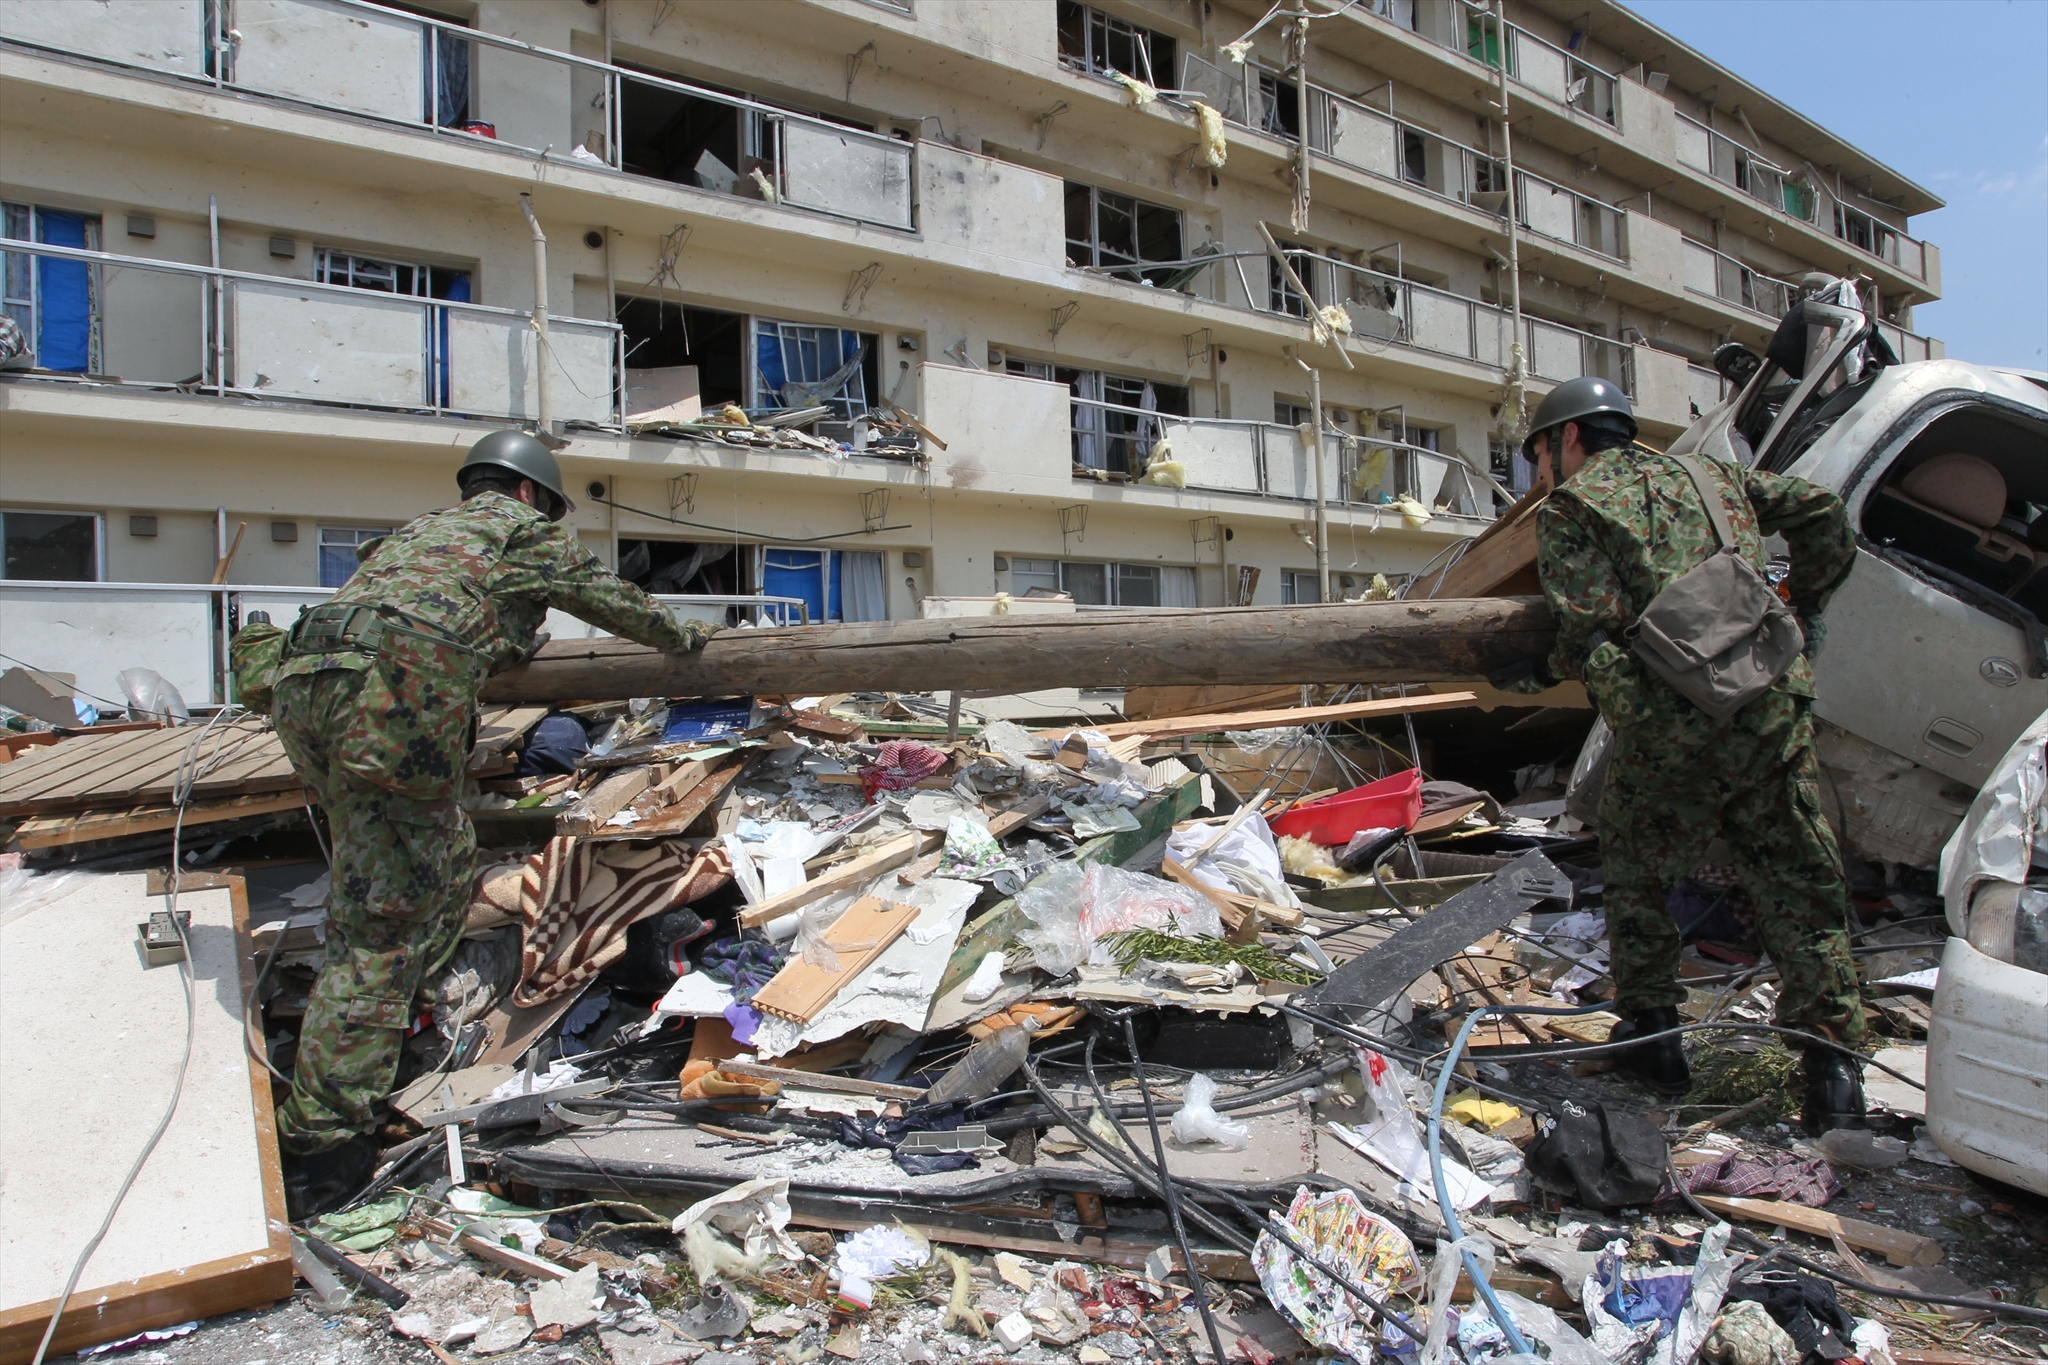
x=1315, y=453
x=1517, y=374
x=542, y=355
x=220, y=379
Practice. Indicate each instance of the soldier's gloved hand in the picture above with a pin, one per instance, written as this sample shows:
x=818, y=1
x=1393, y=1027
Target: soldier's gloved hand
x=1526, y=678
x=1814, y=627
x=695, y=633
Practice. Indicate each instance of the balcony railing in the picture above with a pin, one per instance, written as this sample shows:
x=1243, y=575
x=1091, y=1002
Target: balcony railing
x=1907, y=345
x=404, y=69
x=168, y=325
x=1270, y=460
x=1533, y=63
x=1720, y=276
x=93, y=631
x=1387, y=310
x=1365, y=139
x=1722, y=157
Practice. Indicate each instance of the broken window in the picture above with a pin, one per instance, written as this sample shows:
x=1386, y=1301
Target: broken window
x=1281, y=295
x=338, y=547
x=1414, y=158
x=51, y=546
x=660, y=336
x=1278, y=107
x=54, y=301
x=836, y=585
x=1101, y=43
x=685, y=568
x=695, y=139
x=1106, y=230
x=1116, y=417
x=801, y=366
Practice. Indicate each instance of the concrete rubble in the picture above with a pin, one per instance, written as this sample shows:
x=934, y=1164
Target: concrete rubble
x=954, y=1038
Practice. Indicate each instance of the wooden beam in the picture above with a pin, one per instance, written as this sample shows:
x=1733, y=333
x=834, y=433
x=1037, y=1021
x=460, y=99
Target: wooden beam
x=603, y=801
x=1337, y=642
x=818, y=1080
x=1900, y=1248
x=1291, y=715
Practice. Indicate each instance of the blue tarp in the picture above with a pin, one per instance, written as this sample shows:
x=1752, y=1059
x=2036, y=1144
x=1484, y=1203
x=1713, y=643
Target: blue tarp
x=805, y=574
x=64, y=297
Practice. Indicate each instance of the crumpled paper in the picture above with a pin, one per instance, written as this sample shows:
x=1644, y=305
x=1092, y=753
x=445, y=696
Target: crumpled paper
x=1342, y=1232
x=737, y=1231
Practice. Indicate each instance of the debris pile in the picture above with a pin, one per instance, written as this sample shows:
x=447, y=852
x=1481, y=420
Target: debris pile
x=786, y=1028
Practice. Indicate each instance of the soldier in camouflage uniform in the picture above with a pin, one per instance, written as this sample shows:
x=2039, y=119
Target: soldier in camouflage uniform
x=1620, y=526
x=374, y=702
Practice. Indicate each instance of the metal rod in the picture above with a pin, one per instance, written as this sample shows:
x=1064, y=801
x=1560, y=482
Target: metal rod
x=543, y=354
x=1517, y=376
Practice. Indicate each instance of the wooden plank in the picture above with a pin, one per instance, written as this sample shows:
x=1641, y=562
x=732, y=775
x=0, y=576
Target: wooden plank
x=220, y=768
x=677, y=819
x=816, y=1080
x=1900, y=1248
x=153, y=777
x=604, y=801
x=845, y=877
x=1231, y=905
x=1296, y=715
x=1502, y=559
x=510, y=1257
x=1335, y=642
x=12, y=745
x=78, y=760
x=57, y=831
x=860, y=935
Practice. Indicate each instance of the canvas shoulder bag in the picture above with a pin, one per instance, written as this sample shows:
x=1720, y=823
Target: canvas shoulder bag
x=1719, y=635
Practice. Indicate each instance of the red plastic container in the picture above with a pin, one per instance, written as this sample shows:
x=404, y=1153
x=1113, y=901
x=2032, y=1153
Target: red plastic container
x=1390, y=803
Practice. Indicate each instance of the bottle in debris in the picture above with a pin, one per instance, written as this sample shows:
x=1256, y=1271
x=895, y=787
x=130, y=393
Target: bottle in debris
x=987, y=1065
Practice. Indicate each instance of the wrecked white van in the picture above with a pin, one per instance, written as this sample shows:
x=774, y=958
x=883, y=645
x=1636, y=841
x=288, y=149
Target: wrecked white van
x=1987, y=1046
x=1935, y=661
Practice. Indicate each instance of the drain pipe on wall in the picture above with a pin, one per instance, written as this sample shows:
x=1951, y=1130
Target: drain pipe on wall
x=543, y=354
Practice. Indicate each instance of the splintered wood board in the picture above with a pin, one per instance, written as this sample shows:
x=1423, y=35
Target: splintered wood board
x=138, y=767
x=93, y=1042
x=858, y=937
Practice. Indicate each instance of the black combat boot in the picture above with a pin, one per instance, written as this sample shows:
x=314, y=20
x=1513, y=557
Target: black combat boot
x=1659, y=1064
x=322, y=1182
x=1834, y=1091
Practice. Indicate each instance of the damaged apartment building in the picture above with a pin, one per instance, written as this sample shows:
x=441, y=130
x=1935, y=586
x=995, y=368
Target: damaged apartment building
x=863, y=308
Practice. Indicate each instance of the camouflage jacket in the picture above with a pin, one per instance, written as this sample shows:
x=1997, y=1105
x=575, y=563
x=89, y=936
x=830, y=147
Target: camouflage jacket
x=471, y=586
x=1630, y=522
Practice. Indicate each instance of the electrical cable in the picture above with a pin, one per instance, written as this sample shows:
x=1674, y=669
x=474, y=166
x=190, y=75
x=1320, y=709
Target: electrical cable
x=1166, y=1184
x=190, y=769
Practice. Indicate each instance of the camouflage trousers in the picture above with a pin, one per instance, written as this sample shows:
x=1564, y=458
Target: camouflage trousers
x=403, y=876
x=1680, y=779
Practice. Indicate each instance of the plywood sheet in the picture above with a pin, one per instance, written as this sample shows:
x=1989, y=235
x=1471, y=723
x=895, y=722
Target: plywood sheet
x=93, y=1042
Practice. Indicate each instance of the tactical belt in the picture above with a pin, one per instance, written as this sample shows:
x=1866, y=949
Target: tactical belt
x=341, y=626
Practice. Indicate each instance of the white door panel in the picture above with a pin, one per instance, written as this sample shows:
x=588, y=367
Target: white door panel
x=1923, y=674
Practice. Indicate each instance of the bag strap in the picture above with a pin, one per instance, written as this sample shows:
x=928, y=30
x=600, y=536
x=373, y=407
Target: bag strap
x=1717, y=507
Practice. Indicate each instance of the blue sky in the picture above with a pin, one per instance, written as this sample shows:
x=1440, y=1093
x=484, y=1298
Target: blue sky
x=1952, y=94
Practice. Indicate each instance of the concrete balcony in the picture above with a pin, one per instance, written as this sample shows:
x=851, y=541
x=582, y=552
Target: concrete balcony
x=180, y=328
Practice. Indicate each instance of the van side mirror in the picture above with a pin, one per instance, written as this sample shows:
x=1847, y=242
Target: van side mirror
x=1736, y=363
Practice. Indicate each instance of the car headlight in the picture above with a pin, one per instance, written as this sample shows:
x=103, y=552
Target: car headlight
x=2010, y=923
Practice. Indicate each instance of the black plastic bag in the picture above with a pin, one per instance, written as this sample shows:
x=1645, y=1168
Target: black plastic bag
x=1615, y=1159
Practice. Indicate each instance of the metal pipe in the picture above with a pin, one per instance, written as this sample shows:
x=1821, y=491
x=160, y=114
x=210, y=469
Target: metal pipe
x=219, y=299
x=1517, y=375
x=542, y=353
x=1315, y=455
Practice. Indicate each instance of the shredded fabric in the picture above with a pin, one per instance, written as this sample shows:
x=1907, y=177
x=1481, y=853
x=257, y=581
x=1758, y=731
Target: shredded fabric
x=1781, y=1175
x=900, y=764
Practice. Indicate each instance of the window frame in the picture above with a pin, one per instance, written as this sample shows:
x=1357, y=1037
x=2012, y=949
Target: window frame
x=850, y=402
x=1092, y=252
x=1115, y=574
x=363, y=534
x=1097, y=28
x=1290, y=591
x=99, y=541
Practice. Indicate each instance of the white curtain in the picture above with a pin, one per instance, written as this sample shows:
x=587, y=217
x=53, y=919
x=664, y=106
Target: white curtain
x=1177, y=586
x=1088, y=421
x=862, y=597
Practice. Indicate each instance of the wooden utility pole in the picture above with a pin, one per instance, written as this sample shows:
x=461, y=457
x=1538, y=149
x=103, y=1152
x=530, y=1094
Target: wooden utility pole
x=1344, y=642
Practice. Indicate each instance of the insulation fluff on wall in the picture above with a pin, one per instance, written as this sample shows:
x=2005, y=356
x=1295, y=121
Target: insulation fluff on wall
x=1161, y=469
x=1336, y=319
x=1215, y=148
x=1141, y=93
